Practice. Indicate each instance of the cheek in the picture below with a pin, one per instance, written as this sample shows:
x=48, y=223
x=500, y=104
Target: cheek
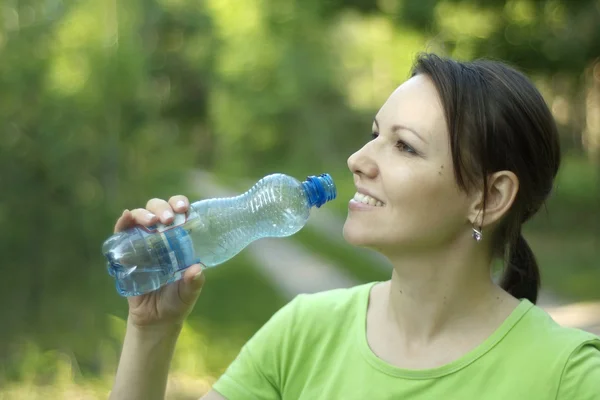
x=426, y=193
x=416, y=183
x=447, y=204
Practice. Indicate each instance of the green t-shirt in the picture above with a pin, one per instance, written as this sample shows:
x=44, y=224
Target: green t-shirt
x=316, y=348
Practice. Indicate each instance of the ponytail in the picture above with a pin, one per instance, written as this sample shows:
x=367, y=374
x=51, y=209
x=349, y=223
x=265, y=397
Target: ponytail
x=521, y=277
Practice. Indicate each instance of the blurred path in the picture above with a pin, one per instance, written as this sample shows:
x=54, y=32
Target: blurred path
x=294, y=270
x=583, y=315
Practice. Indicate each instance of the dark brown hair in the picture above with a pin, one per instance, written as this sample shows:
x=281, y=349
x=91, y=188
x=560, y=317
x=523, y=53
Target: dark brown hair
x=499, y=121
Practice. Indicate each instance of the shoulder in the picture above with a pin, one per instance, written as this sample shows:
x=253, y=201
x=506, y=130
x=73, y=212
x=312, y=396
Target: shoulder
x=309, y=320
x=317, y=315
x=580, y=378
x=315, y=312
x=327, y=305
x=545, y=356
x=539, y=324
x=537, y=336
x=574, y=352
x=289, y=343
x=330, y=302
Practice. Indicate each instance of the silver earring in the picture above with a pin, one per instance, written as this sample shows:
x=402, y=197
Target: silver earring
x=477, y=234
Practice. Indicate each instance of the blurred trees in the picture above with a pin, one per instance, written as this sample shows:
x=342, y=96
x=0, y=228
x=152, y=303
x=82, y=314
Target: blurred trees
x=104, y=105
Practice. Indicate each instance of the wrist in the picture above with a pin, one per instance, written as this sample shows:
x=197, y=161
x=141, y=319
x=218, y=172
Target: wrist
x=145, y=360
x=154, y=331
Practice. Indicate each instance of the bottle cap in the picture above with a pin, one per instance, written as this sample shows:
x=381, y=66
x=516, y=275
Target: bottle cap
x=319, y=189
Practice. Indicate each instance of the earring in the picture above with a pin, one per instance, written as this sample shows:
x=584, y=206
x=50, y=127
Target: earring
x=477, y=234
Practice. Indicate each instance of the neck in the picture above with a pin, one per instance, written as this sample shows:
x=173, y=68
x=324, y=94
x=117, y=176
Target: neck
x=441, y=292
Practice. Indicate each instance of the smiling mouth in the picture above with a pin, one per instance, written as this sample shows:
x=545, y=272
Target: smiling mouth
x=366, y=199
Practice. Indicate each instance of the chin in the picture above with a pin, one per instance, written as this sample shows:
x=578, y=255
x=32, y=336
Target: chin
x=357, y=237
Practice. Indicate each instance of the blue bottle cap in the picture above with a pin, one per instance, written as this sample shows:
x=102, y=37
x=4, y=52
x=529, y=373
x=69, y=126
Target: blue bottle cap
x=319, y=189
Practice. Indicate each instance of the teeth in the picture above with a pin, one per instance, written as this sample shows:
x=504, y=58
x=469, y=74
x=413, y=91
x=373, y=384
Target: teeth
x=362, y=198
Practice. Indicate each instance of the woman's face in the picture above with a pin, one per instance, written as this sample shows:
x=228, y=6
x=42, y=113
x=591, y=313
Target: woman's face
x=406, y=169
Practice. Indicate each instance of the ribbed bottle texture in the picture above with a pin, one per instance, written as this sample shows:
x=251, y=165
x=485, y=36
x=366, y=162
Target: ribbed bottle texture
x=213, y=231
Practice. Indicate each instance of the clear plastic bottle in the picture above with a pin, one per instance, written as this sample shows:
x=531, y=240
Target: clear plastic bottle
x=142, y=259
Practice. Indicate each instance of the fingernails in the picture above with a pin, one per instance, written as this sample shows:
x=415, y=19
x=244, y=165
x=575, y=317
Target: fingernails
x=167, y=214
x=180, y=204
x=150, y=216
x=198, y=275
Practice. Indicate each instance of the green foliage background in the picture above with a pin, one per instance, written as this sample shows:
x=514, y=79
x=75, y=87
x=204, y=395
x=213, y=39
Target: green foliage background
x=104, y=105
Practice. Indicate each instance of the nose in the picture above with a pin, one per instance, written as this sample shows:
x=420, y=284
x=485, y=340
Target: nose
x=362, y=162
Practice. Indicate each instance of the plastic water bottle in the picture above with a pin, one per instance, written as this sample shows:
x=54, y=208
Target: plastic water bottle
x=142, y=259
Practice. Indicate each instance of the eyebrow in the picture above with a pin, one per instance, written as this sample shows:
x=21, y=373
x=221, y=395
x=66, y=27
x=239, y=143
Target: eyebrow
x=398, y=127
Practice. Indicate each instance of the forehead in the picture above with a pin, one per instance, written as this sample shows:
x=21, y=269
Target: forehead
x=415, y=104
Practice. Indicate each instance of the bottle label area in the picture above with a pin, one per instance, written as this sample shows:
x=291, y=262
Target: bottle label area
x=178, y=249
x=170, y=253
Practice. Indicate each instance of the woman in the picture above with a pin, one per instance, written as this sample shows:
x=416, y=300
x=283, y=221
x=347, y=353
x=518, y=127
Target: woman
x=461, y=155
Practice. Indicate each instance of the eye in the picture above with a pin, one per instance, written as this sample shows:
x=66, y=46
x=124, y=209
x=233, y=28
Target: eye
x=405, y=147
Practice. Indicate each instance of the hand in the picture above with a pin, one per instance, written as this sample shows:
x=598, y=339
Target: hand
x=172, y=303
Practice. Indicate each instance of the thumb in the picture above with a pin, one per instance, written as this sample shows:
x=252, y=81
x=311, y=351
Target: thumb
x=191, y=284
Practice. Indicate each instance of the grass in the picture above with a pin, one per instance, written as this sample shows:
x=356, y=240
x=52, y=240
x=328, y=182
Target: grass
x=54, y=374
x=65, y=363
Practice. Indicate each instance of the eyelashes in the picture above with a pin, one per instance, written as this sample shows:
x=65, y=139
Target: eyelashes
x=405, y=147
x=400, y=144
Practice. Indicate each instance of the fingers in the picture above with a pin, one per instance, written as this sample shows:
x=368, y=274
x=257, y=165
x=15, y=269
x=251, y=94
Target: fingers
x=162, y=209
x=179, y=203
x=157, y=210
x=193, y=274
x=142, y=216
x=139, y=216
x=124, y=221
x=191, y=284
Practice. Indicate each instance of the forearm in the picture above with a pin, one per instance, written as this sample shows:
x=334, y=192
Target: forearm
x=144, y=364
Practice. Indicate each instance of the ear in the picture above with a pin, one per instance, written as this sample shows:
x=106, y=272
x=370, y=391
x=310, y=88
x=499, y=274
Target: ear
x=502, y=190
